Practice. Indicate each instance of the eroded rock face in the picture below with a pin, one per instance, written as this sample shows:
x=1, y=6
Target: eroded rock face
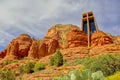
x=59, y=29
x=59, y=32
x=116, y=40
x=19, y=47
x=43, y=48
x=51, y=42
x=76, y=38
x=100, y=38
x=52, y=45
x=2, y=54
x=33, y=52
x=58, y=37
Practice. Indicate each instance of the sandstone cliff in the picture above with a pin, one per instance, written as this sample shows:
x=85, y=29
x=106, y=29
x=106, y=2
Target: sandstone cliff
x=19, y=47
x=64, y=37
x=25, y=46
x=76, y=38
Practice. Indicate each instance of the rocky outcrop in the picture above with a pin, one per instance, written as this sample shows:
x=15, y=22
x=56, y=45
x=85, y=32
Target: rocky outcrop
x=2, y=54
x=76, y=38
x=76, y=52
x=116, y=40
x=59, y=32
x=100, y=38
x=105, y=49
x=18, y=47
x=42, y=48
x=58, y=37
x=33, y=52
x=51, y=42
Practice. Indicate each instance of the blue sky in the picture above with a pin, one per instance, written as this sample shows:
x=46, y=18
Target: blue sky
x=35, y=17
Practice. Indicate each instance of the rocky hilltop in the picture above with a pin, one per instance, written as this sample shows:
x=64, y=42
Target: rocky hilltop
x=70, y=39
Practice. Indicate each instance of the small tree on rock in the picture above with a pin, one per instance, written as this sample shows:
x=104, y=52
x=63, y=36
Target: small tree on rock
x=57, y=60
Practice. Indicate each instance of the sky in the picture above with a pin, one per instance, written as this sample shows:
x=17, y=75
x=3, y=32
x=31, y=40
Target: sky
x=35, y=17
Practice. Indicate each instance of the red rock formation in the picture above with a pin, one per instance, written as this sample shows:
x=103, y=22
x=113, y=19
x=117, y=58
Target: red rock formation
x=116, y=40
x=59, y=32
x=100, y=38
x=105, y=49
x=58, y=36
x=51, y=42
x=76, y=38
x=2, y=54
x=42, y=48
x=18, y=47
x=33, y=52
x=56, y=30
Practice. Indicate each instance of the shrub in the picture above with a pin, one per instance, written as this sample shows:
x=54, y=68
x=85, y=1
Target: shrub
x=64, y=60
x=6, y=62
x=116, y=76
x=108, y=63
x=9, y=62
x=40, y=78
x=21, y=69
x=52, y=60
x=15, y=61
x=39, y=66
x=57, y=60
x=78, y=61
x=28, y=68
x=7, y=75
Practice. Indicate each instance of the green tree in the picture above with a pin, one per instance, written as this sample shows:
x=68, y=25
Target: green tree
x=57, y=60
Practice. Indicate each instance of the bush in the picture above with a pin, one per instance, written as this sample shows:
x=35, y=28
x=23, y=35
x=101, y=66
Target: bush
x=52, y=60
x=78, y=61
x=7, y=62
x=39, y=66
x=57, y=60
x=28, y=68
x=21, y=69
x=7, y=75
x=15, y=61
x=108, y=64
x=116, y=76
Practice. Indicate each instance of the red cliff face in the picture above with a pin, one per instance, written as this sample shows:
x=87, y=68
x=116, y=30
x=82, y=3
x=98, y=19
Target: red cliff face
x=51, y=42
x=59, y=32
x=100, y=38
x=2, y=54
x=42, y=48
x=76, y=38
x=19, y=47
x=57, y=37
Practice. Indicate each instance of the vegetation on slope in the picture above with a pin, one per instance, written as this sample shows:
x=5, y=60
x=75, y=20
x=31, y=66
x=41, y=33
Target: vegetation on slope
x=108, y=64
x=57, y=60
x=81, y=75
x=116, y=76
